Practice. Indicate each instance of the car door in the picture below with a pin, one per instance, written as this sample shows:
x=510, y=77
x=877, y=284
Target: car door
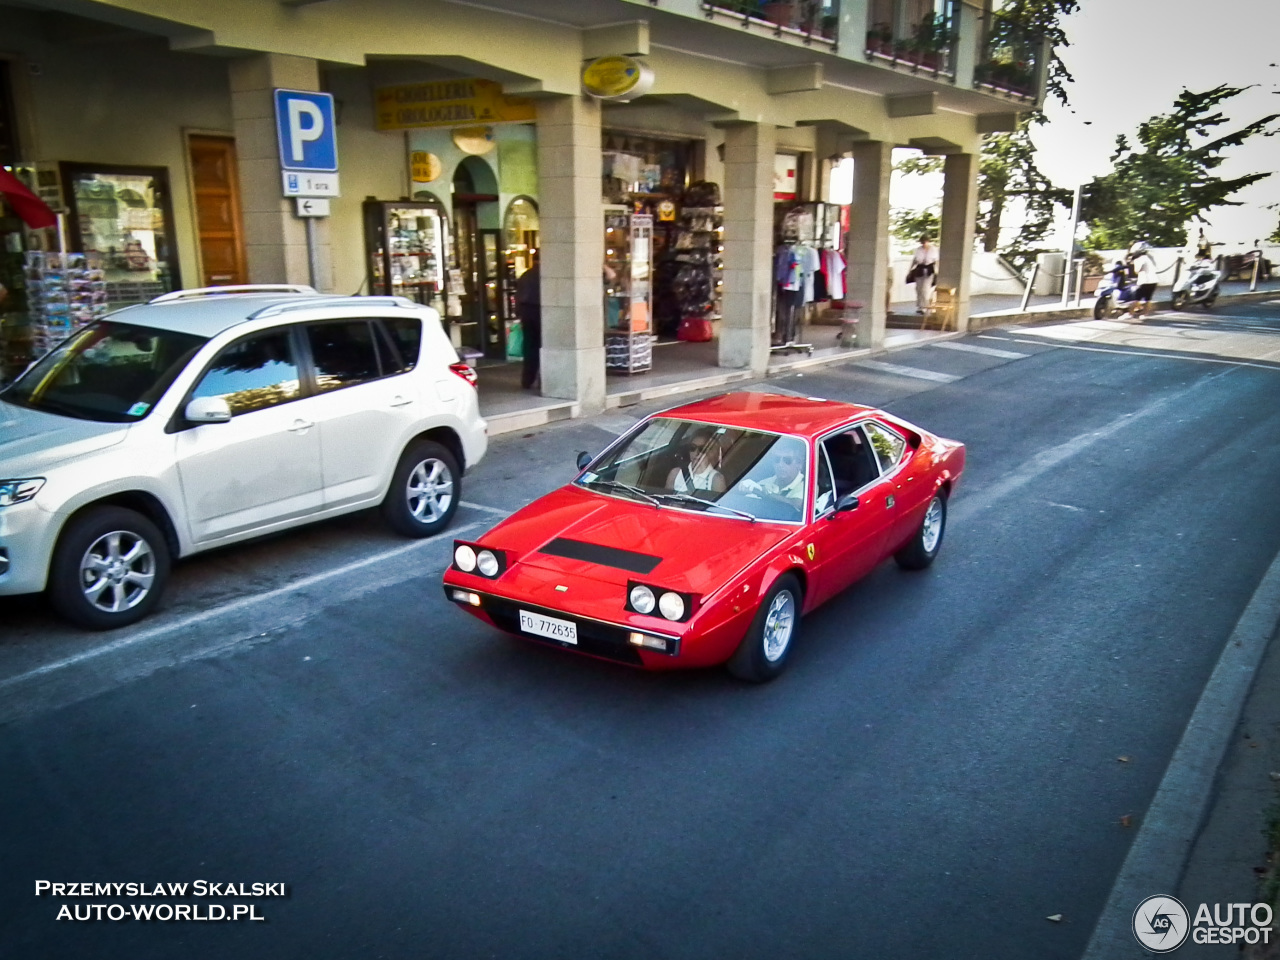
x=895, y=457
x=263, y=466
x=365, y=404
x=849, y=543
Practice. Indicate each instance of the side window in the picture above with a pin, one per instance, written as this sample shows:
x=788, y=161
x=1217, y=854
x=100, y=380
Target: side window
x=826, y=498
x=887, y=445
x=406, y=333
x=344, y=353
x=853, y=465
x=256, y=372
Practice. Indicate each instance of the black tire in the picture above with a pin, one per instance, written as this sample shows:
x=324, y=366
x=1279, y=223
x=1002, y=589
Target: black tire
x=926, y=541
x=1101, y=307
x=1209, y=302
x=1179, y=300
x=759, y=659
x=424, y=491
x=109, y=569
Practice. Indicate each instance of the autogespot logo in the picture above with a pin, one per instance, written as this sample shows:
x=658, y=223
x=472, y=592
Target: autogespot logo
x=1161, y=923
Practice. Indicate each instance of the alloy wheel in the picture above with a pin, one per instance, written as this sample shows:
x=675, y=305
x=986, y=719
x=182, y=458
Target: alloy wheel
x=117, y=571
x=779, y=624
x=931, y=531
x=429, y=490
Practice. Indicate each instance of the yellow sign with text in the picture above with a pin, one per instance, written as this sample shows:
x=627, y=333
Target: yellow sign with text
x=449, y=103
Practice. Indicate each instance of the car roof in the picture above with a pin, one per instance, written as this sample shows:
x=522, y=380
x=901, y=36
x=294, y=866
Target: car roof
x=209, y=316
x=804, y=416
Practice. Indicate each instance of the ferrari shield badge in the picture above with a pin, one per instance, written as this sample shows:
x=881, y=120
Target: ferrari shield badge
x=811, y=550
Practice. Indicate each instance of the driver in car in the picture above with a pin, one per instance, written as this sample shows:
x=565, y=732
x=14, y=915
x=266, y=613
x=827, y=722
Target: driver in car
x=787, y=482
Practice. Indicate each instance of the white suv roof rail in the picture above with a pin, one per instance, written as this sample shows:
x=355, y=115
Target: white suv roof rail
x=316, y=303
x=298, y=288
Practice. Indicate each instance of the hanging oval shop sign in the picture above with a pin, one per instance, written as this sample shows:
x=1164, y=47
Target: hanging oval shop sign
x=617, y=78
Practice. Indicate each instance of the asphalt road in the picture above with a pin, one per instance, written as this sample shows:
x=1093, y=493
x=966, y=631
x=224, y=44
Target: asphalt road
x=935, y=775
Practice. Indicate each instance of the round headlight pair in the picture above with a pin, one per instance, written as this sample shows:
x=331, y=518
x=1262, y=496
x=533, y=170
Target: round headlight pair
x=469, y=559
x=670, y=605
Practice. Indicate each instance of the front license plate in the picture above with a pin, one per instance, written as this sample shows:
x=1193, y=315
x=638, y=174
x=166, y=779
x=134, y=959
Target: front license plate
x=548, y=627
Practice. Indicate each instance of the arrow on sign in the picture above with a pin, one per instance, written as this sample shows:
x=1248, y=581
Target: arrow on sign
x=312, y=206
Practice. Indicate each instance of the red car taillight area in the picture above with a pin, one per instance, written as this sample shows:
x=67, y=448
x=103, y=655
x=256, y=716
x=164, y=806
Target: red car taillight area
x=465, y=371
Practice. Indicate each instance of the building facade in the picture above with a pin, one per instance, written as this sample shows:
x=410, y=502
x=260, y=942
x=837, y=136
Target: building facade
x=476, y=138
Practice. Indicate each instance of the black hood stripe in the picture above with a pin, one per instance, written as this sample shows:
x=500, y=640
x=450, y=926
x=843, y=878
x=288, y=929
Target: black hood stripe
x=604, y=556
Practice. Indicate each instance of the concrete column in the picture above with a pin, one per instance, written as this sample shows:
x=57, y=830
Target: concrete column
x=955, y=245
x=867, y=243
x=572, y=255
x=748, y=246
x=275, y=239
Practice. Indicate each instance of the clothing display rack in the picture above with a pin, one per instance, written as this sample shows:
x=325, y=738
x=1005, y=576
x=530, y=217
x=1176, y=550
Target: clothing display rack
x=807, y=267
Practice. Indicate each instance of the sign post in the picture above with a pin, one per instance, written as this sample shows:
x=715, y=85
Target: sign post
x=305, y=130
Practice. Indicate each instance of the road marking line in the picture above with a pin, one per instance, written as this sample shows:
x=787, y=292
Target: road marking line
x=1065, y=506
x=1166, y=356
x=1159, y=852
x=901, y=371
x=985, y=351
x=481, y=506
x=192, y=619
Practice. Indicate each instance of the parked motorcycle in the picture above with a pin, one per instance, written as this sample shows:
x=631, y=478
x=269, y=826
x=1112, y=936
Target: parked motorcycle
x=1199, y=285
x=1115, y=297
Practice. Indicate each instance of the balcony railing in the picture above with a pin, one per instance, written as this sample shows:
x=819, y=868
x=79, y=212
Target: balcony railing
x=1009, y=61
x=916, y=35
x=809, y=20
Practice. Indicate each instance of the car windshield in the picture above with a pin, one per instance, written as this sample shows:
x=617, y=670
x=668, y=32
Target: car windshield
x=728, y=471
x=110, y=372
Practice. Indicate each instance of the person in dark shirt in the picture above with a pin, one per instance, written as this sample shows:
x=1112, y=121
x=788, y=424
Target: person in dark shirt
x=529, y=309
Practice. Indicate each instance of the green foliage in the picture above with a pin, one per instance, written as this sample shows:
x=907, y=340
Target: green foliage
x=1164, y=182
x=1015, y=36
x=908, y=226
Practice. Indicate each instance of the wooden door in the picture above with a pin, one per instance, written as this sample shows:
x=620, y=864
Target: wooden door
x=216, y=182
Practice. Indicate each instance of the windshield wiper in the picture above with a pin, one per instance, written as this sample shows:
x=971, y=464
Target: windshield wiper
x=707, y=504
x=619, y=485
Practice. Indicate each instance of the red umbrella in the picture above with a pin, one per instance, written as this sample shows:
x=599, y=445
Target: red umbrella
x=35, y=213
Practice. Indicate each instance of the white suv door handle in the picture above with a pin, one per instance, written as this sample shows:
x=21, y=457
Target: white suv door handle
x=301, y=426
x=399, y=401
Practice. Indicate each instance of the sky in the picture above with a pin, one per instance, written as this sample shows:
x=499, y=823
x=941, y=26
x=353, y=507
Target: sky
x=1130, y=60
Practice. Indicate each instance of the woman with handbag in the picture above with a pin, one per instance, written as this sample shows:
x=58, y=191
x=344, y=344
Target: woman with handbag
x=924, y=267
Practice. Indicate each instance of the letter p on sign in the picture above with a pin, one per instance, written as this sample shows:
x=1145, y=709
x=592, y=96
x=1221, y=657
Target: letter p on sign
x=305, y=127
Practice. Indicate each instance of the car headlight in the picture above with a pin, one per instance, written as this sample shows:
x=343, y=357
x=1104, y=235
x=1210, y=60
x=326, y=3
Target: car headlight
x=19, y=491
x=672, y=606
x=464, y=558
x=487, y=563
x=642, y=599
x=473, y=558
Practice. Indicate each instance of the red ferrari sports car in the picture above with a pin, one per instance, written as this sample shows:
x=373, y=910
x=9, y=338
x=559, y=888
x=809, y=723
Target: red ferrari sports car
x=702, y=535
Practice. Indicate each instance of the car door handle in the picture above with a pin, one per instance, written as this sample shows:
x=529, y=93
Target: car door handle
x=401, y=401
x=301, y=426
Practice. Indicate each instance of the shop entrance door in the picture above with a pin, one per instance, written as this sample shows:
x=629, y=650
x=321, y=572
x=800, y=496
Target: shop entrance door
x=215, y=180
x=492, y=300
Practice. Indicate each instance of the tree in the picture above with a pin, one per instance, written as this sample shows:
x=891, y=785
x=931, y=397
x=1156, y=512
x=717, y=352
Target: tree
x=1165, y=181
x=908, y=226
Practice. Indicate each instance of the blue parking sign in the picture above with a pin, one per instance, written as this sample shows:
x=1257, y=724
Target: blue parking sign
x=304, y=124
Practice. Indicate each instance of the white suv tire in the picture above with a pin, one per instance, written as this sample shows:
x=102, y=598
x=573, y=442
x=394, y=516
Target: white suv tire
x=109, y=569
x=425, y=490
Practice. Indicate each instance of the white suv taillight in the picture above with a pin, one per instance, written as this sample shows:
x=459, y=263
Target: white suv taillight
x=465, y=372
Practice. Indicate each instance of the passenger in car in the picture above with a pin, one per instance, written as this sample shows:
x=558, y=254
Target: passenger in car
x=699, y=471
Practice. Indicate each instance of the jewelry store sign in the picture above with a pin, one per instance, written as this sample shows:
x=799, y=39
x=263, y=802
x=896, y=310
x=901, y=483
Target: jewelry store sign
x=449, y=103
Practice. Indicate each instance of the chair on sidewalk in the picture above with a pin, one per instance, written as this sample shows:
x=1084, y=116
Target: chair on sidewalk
x=942, y=312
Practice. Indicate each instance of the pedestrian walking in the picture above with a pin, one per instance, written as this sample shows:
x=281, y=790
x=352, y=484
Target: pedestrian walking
x=924, y=268
x=1144, y=269
x=529, y=309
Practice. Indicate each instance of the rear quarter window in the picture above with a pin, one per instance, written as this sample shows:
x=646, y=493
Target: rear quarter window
x=406, y=333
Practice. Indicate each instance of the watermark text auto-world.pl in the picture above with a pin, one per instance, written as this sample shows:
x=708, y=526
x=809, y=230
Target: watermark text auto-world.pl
x=164, y=911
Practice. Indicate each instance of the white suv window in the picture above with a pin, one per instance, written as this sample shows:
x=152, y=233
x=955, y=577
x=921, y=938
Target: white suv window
x=256, y=372
x=344, y=353
x=406, y=332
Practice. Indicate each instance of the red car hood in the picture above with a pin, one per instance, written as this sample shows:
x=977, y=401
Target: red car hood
x=694, y=552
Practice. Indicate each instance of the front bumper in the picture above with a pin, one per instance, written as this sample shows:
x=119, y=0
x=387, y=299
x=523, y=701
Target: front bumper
x=27, y=534
x=596, y=638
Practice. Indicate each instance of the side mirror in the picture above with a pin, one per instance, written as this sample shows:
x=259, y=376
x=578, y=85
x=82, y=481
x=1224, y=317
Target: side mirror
x=207, y=410
x=846, y=503
x=583, y=459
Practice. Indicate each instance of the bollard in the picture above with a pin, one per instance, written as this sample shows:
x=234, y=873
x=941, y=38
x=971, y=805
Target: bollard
x=1079, y=280
x=1031, y=283
x=1253, y=283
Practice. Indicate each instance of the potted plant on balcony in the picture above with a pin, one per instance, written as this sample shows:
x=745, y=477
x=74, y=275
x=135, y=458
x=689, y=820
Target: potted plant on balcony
x=781, y=12
x=930, y=41
x=830, y=26
x=880, y=40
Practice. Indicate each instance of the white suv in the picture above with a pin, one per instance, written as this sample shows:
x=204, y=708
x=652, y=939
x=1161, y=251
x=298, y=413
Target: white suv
x=210, y=416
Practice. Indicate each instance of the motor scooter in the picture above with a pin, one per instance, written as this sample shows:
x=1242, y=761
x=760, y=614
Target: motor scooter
x=1115, y=297
x=1199, y=285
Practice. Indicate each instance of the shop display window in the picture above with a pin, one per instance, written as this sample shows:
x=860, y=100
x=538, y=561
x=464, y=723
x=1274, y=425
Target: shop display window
x=407, y=247
x=123, y=217
x=643, y=168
